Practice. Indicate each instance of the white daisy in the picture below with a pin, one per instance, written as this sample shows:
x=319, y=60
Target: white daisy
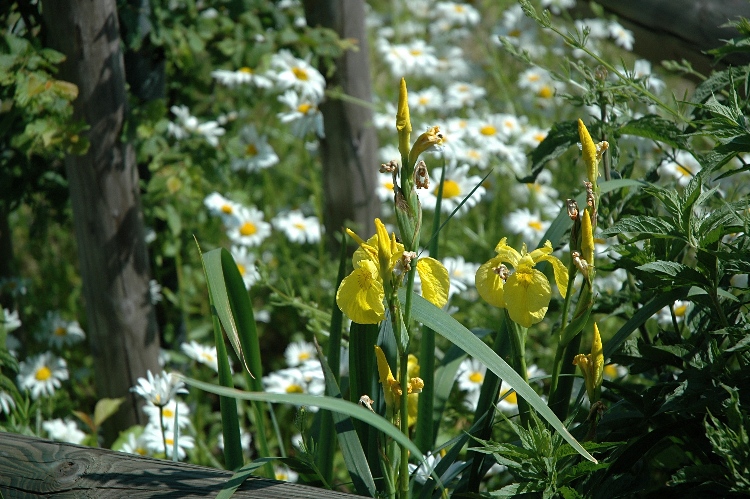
x=218, y=205
x=682, y=168
x=59, y=332
x=458, y=14
x=187, y=125
x=285, y=474
x=461, y=273
x=297, y=227
x=615, y=371
x=7, y=404
x=42, y=374
x=154, y=291
x=155, y=442
x=296, y=380
x=303, y=114
x=245, y=261
x=642, y=69
x=416, y=58
x=529, y=225
x=247, y=227
x=205, y=354
x=384, y=190
x=470, y=377
x=508, y=401
x=557, y=6
x=257, y=152
x=159, y=389
x=9, y=320
x=173, y=412
x=457, y=185
x=385, y=118
x=681, y=309
x=459, y=95
x=298, y=352
x=428, y=99
x=63, y=431
x=299, y=75
x=243, y=76
x=623, y=37
x=136, y=444
x=423, y=471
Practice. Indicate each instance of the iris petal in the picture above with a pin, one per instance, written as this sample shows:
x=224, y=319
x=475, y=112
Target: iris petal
x=361, y=295
x=490, y=284
x=527, y=296
x=435, y=281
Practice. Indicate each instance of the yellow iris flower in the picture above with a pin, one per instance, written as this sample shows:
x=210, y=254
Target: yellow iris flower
x=392, y=388
x=379, y=267
x=524, y=290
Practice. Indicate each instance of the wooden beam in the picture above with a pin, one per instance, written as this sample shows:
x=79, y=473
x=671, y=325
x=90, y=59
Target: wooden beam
x=680, y=29
x=33, y=467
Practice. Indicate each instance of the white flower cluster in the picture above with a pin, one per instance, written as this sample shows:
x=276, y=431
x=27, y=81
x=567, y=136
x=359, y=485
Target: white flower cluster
x=246, y=228
x=303, y=373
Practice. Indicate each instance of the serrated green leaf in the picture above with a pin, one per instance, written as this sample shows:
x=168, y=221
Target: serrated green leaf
x=655, y=128
x=640, y=224
x=680, y=273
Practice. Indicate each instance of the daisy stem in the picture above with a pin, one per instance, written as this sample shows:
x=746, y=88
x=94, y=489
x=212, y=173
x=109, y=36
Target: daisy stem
x=163, y=432
x=518, y=356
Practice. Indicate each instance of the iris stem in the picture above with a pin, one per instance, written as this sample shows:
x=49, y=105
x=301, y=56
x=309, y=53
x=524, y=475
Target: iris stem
x=517, y=335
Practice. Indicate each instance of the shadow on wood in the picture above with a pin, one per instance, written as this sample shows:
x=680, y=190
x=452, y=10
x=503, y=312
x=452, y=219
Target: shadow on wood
x=33, y=467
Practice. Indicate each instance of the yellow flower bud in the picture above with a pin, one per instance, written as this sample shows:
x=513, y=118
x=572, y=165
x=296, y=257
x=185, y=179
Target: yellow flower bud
x=587, y=238
x=592, y=367
x=403, y=121
x=589, y=153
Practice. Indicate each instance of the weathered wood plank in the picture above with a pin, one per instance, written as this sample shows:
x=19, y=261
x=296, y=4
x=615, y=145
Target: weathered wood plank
x=32, y=467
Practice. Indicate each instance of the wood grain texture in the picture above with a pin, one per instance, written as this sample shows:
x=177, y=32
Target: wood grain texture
x=32, y=467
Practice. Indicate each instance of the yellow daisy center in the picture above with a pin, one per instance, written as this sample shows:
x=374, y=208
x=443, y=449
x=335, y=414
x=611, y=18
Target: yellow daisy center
x=451, y=189
x=141, y=451
x=207, y=357
x=424, y=100
x=251, y=150
x=241, y=268
x=459, y=8
x=610, y=371
x=415, y=52
x=510, y=398
x=60, y=331
x=169, y=441
x=299, y=225
x=534, y=77
x=680, y=310
x=248, y=229
x=539, y=137
x=294, y=389
x=535, y=224
x=168, y=413
x=474, y=154
x=388, y=185
x=304, y=108
x=245, y=69
x=303, y=356
x=515, y=33
x=300, y=74
x=545, y=92
x=488, y=130
x=684, y=170
x=43, y=373
x=476, y=377
x=226, y=209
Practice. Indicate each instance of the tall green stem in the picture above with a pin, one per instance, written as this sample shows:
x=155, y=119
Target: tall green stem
x=518, y=356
